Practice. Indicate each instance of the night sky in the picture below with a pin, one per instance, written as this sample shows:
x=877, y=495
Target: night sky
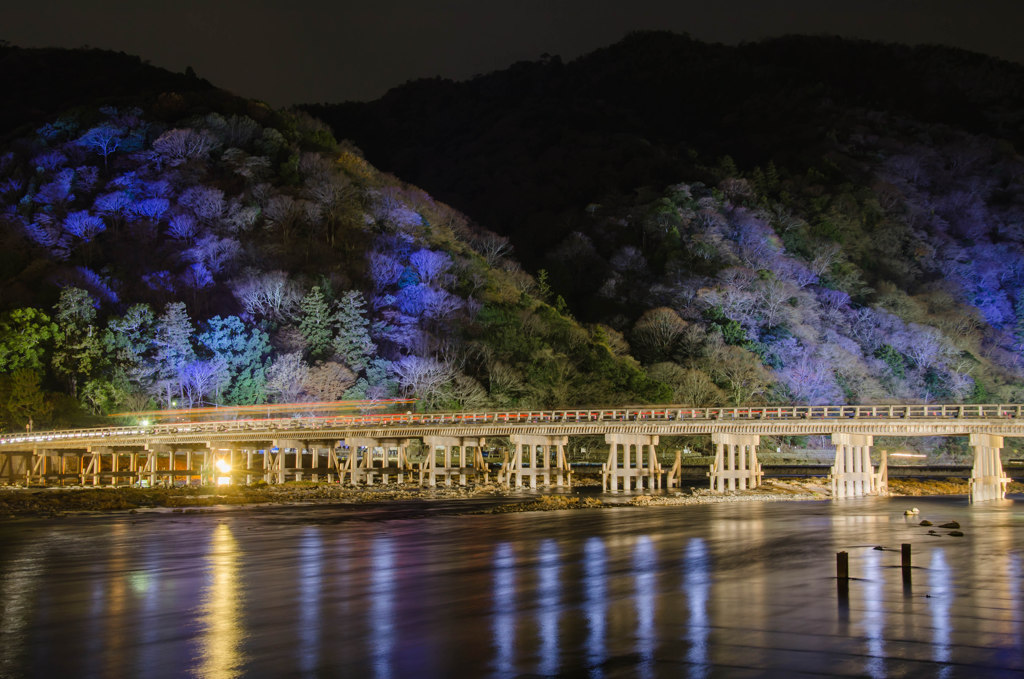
x=330, y=50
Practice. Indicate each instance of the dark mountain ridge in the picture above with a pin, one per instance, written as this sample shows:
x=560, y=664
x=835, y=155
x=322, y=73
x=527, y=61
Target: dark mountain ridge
x=517, y=148
x=42, y=82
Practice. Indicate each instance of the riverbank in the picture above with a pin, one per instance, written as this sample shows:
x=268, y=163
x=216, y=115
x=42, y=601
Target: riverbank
x=56, y=502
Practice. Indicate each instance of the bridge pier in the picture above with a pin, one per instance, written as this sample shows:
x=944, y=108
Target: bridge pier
x=15, y=466
x=430, y=471
x=275, y=469
x=44, y=463
x=633, y=466
x=852, y=474
x=526, y=462
x=151, y=465
x=365, y=470
x=399, y=450
x=359, y=470
x=736, y=465
x=988, y=482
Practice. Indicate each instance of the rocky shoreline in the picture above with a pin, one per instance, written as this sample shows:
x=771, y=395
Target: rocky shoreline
x=56, y=502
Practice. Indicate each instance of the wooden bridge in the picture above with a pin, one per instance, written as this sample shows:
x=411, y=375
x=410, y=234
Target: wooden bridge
x=449, y=448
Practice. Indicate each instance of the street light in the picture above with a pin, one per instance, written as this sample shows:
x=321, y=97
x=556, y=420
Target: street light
x=224, y=472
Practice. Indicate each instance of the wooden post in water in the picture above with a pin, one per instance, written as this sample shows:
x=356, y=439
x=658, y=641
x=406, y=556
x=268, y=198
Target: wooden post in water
x=842, y=566
x=905, y=562
x=843, y=579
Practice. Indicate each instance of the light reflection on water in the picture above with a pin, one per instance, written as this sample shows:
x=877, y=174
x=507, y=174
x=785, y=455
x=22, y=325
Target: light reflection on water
x=382, y=583
x=548, y=586
x=676, y=591
x=310, y=588
x=644, y=576
x=697, y=583
x=874, y=614
x=503, y=615
x=596, y=592
x=220, y=609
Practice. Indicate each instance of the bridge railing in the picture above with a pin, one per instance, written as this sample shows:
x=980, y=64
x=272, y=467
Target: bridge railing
x=632, y=414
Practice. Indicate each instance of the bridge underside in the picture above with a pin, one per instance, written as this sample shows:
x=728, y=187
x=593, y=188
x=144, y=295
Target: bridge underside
x=535, y=457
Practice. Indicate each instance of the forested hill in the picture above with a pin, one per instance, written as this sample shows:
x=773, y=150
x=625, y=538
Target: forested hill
x=184, y=247
x=523, y=149
x=832, y=219
x=170, y=243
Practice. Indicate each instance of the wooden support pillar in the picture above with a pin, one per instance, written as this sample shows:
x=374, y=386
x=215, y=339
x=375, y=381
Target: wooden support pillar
x=469, y=465
x=852, y=473
x=152, y=466
x=636, y=466
x=988, y=482
x=536, y=459
x=736, y=465
x=279, y=470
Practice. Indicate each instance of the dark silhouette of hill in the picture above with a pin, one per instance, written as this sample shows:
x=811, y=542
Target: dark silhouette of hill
x=524, y=149
x=40, y=83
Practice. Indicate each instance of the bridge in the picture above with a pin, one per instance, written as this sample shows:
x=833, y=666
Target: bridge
x=450, y=447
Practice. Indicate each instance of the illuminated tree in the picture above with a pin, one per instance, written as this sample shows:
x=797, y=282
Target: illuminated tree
x=269, y=295
x=173, y=349
x=26, y=337
x=657, y=333
x=182, y=145
x=328, y=381
x=244, y=351
x=286, y=377
x=26, y=401
x=352, y=341
x=430, y=265
x=104, y=140
x=199, y=379
x=77, y=345
x=315, y=323
x=128, y=343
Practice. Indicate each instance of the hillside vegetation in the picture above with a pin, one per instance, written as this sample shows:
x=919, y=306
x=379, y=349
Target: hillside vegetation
x=241, y=256
x=698, y=224
x=801, y=219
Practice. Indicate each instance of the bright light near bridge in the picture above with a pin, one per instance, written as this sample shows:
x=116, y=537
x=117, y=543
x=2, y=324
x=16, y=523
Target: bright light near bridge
x=223, y=467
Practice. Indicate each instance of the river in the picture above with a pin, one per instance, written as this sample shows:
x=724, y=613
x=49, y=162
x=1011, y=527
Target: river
x=424, y=590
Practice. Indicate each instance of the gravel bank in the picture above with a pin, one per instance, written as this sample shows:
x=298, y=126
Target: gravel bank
x=55, y=502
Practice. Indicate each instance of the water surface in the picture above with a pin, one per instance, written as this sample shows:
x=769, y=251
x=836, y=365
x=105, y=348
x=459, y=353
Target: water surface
x=725, y=590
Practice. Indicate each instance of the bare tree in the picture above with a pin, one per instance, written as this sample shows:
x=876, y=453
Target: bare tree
x=656, y=334
x=423, y=377
x=430, y=265
x=492, y=246
x=200, y=379
x=104, y=139
x=328, y=381
x=286, y=377
x=181, y=145
x=270, y=295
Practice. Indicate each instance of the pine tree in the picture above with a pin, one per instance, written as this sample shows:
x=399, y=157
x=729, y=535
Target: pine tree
x=77, y=345
x=315, y=324
x=173, y=341
x=353, y=342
